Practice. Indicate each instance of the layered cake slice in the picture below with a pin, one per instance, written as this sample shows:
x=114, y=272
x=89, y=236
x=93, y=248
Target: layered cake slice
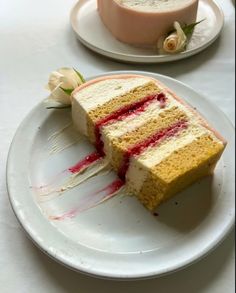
x=155, y=142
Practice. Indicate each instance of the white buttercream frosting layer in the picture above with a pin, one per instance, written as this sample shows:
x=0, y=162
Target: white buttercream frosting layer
x=98, y=94
x=131, y=123
x=154, y=5
x=153, y=156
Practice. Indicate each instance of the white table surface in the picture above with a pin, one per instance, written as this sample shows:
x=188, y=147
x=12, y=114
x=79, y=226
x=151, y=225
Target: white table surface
x=36, y=38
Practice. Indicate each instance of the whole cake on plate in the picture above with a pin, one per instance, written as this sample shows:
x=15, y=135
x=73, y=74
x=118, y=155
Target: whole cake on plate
x=143, y=22
x=156, y=142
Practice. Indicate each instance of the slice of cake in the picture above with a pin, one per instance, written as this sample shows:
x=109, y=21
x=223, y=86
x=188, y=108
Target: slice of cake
x=143, y=22
x=155, y=142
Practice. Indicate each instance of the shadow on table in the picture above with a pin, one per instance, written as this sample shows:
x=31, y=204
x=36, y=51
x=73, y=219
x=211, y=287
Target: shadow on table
x=194, y=279
x=194, y=204
x=174, y=69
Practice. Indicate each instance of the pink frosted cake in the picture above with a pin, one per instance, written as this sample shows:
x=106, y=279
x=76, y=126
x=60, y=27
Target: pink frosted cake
x=143, y=22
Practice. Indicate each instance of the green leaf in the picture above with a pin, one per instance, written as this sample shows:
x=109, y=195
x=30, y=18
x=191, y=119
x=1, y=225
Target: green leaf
x=59, y=108
x=80, y=75
x=188, y=29
x=67, y=91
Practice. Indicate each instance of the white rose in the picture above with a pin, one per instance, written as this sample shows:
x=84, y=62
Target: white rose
x=61, y=83
x=175, y=42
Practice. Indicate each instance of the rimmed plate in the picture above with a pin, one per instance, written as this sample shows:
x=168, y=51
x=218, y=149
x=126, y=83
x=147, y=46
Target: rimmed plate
x=118, y=239
x=90, y=30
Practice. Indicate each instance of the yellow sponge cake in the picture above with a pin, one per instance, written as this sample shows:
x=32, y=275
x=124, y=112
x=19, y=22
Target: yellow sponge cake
x=155, y=142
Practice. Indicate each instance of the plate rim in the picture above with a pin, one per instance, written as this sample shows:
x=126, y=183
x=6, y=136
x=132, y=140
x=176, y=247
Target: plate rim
x=62, y=260
x=142, y=59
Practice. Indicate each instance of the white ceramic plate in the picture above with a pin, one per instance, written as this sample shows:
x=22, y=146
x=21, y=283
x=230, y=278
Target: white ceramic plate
x=92, y=33
x=119, y=238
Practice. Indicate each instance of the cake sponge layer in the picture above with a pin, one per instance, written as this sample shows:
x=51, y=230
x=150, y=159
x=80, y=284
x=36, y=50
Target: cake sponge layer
x=97, y=115
x=179, y=170
x=98, y=92
x=120, y=146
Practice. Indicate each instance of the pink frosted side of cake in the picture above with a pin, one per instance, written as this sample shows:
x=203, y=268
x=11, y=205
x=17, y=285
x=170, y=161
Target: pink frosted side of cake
x=142, y=28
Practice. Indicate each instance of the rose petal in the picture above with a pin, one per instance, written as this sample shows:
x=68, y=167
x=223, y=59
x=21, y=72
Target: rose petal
x=54, y=80
x=182, y=39
x=60, y=96
x=171, y=43
x=70, y=78
x=64, y=78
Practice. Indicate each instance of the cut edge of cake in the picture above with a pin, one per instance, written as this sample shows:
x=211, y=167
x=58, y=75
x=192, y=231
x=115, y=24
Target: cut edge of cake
x=156, y=186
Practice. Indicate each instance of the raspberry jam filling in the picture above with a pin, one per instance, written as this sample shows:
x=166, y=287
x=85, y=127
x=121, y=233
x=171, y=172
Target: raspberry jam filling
x=126, y=111
x=84, y=163
x=151, y=141
x=112, y=188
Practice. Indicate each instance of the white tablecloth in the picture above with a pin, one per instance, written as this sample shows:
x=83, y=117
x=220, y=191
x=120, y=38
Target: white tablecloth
x=36, y=38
